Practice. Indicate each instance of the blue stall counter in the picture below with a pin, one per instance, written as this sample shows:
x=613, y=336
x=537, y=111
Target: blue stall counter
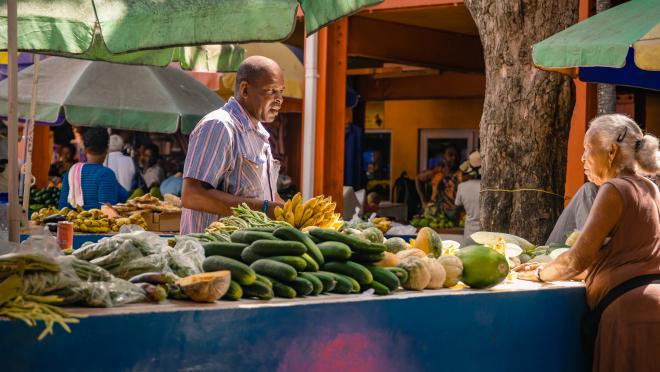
x=517, y=326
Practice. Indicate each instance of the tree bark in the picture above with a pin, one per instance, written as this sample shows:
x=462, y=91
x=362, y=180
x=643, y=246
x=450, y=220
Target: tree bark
x=526, y=116
x=606, y=93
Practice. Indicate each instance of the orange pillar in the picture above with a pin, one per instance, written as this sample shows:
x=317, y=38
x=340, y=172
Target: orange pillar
x=331, y=111
x=583, y=112
x=42, y=153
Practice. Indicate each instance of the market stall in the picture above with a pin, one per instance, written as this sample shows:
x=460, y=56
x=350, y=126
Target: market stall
x=528, y=327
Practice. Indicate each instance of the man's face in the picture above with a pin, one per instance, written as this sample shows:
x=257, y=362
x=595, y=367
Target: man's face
x=65, y=154
x=148, y=158
x=451, y=157
x=263, y=98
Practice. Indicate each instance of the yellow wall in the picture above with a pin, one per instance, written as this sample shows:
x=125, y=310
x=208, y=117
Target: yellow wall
x=653, y=114
x=406, y=118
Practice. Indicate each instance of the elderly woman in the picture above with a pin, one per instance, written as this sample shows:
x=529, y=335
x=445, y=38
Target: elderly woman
x=619, y=247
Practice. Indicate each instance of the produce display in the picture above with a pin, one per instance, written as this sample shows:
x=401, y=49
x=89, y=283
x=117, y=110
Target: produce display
x=91, y=221
x=436, y=218
x=147, y=203
x=316, y=212
x=48, y=197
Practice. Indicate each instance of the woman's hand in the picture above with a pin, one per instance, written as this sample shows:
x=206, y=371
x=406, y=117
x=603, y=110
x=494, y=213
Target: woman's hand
x=527, y=271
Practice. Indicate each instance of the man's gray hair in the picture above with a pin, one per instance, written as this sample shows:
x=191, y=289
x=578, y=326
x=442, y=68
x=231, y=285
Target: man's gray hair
x=116, y=143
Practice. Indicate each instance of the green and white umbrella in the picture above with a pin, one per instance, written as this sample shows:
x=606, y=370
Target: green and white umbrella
x=110, y=95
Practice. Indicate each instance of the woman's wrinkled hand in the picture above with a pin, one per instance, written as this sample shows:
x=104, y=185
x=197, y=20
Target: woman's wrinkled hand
x=527, y=271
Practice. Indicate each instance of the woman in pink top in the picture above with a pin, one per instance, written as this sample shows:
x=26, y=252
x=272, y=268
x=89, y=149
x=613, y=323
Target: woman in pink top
x=618, y=251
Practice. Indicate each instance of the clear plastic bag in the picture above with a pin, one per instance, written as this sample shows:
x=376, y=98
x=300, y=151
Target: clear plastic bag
x=186, y=257
x=148, y=264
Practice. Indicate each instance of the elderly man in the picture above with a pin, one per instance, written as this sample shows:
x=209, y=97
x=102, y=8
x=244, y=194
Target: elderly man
x=229, y=159
x=121, y=164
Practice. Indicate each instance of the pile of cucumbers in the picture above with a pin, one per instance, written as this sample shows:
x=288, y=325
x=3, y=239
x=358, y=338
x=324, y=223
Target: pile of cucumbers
x=43, y=198
x=288, y=263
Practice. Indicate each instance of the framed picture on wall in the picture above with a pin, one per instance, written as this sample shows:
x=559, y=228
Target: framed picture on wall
x=433, y=142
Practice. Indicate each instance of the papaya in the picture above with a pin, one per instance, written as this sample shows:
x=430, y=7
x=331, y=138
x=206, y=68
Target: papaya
x=429, y=241
x=483, y=267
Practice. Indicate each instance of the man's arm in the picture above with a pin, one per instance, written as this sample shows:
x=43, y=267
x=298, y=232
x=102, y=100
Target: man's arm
x=200, y=196
x=424, y=176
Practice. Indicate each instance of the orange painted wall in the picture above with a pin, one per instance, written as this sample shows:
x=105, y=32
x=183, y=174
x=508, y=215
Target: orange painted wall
x=653, y=114
x=406, y=118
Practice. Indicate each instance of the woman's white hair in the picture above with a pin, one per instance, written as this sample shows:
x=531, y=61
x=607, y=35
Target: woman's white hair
x=638, y=151
x=116, y=143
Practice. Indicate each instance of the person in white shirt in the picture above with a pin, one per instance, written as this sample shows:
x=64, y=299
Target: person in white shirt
x=467, y=195
x=122, y=165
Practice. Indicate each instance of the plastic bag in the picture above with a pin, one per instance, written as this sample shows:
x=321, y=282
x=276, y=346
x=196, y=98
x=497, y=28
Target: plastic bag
x=148, y=264
x=186, y=257
x=41, y=241
x=111, y=294
x=398, y=229
x=126, y=252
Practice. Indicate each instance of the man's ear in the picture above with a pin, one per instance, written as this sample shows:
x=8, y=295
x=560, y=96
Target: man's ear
x=243, y=89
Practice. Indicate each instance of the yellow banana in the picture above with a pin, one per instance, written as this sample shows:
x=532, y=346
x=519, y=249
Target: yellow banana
x=329, y=208
x=297, y=199
x=279, y=214
x=287, y=208
x=306, y=216
x=298, y=214
x=290, y=218
x=311, y=203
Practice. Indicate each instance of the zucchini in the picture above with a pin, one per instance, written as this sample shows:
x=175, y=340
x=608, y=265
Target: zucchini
x=278, y=248
x=356, y=244
x=249, y=237
x=293, y=234
x=316, y=282
x=259, y=290
x=268, y=229
x=234, y=292
x=385, y=277
x=248, y=256
x=240, y=272
x=379, y=288
x=335, y=251
x=352, y=269
x=266, y=281
x=231, y=250
x=296, y=262
x=312, y=265
x=302, y=286
x=274, y=269
x=327, y=279
x=282, y=290
x=367, y=258
x=400, y=273
x=344, y=284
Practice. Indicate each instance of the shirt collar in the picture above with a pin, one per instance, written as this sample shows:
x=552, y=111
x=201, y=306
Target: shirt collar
x=237, y=111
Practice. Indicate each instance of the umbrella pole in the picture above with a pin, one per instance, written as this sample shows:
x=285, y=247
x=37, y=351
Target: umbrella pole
x=309, y=115
x=12, y=119
x=29, y=139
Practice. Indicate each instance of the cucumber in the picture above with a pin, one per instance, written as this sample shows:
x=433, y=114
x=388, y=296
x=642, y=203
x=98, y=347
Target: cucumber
x=385, y=277
x=296, y=262
x=235, y=292
x=315, y=239
x=344, y=284
x=259, y=290
x=312, y=265
x=293, y=234
x=316, y=282
x=350, y=268
x=327, y=279
x=335, y=251
x=367, y=258
x=266, y=281
x=356, y=244
x=282, y=290
x=240, y=272
x=274, y=269
x=302, y=286
x=278, y=248
x=248, y=256
x=379, y=288
x=268, y=229
x=249, y=237
x=231, y=250
x=400, y=273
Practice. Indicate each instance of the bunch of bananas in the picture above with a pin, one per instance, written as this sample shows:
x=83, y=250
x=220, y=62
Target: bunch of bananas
x=133, y=219
x=382, y=223
x=91, y=221
x=318, y=211
x=43, y=213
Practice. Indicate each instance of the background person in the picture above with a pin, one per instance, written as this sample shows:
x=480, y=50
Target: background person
x=121, y=165
x=90, y=184
x=65, y=160
x=620, y=245
x=152, y=172
x=467, y=196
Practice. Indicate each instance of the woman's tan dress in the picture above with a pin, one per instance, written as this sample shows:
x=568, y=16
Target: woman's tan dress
x=629, y=332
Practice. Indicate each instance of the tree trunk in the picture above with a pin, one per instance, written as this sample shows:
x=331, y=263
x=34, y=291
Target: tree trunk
x=526, y=117
x=606, y=93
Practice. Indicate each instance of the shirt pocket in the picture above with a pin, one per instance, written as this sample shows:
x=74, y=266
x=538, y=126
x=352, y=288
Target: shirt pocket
x=250, y=173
